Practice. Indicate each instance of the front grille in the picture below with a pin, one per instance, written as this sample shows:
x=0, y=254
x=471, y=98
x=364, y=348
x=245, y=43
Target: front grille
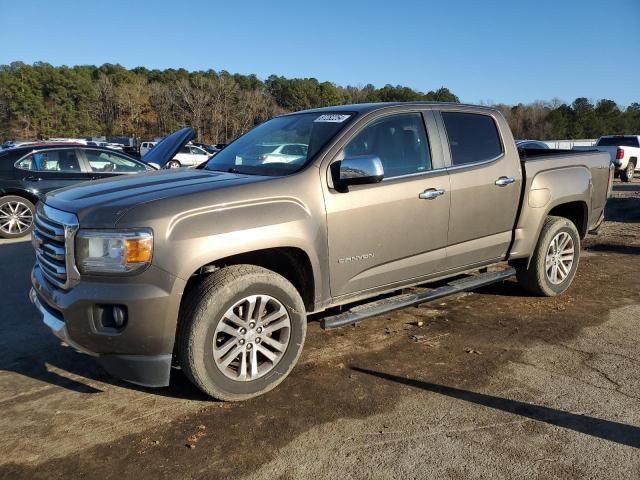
x=53, y=236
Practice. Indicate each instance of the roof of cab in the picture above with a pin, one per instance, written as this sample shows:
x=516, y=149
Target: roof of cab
x=370, y=107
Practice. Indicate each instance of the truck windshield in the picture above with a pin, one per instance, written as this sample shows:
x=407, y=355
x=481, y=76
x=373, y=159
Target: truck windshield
x=618, y=142
x=280, y=146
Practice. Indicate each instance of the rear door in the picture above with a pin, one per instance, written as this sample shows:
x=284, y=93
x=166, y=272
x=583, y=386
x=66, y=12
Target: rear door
x=486, y=182
x=49, y=169
x=385, y=234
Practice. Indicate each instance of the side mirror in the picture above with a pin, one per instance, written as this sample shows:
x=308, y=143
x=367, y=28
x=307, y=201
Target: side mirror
x=155, y=166
x=359, y=170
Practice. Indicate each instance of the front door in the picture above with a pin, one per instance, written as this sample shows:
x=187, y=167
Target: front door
x=384, y=234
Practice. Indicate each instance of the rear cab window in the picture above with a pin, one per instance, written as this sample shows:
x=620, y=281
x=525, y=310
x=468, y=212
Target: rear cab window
x=618, y=142
x=473, y=137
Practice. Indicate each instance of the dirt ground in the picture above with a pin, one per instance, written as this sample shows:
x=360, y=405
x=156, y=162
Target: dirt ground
x=496, y=384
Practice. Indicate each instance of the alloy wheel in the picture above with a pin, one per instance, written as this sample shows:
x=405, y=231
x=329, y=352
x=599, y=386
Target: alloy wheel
x=251, y=338
x=560, y=258
x=15, y=218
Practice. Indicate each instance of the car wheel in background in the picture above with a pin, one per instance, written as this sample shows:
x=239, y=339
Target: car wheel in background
x=627, y=174
x=241, y=332
x=555, y=259
x=16, y=216
x=173, y=164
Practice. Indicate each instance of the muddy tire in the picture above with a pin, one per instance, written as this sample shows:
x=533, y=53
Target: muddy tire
x=627, y=174
x=241, y=332
x=555, y=259
x=16, y=216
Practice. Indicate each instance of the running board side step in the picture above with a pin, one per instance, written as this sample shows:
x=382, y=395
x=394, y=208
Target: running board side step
x=388, y=305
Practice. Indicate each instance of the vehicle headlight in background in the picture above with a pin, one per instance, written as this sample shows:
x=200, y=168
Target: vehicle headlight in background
x=113, y=251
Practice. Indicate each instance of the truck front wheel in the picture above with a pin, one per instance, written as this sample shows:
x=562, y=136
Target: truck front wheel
x=555, y=259
x=627, y=174
x=242, y=329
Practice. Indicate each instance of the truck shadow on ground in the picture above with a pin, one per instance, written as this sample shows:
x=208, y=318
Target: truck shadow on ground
x=613, y=431
x=627, y=187
x=29, y=349
x=614, y=248
x=624, y=210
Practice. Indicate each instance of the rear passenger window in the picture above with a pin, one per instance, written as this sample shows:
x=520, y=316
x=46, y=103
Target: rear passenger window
x=472, y=137
x=400, y=141
x=51, y=161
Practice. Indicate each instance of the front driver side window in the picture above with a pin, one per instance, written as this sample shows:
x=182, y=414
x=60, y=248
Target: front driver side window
x=400, y=141
x=102, y=162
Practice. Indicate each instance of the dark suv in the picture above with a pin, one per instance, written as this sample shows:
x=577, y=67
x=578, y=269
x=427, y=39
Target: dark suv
x=28, y=173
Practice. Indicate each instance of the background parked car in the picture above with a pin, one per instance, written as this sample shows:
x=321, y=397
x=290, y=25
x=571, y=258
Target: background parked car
x=28, y=173
x=624, y=151
x=283, y=153
x=189, y=156
x=532, y=144
x=145, y=147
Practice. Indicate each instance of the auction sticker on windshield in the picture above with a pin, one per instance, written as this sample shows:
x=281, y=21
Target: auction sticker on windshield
x=332, y=118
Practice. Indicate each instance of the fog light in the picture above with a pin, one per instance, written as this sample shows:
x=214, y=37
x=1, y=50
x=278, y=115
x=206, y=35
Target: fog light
x=119, y=316
x=110, y=319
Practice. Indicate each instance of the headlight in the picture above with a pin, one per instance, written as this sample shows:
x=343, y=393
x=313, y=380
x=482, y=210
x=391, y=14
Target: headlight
x=113, y=251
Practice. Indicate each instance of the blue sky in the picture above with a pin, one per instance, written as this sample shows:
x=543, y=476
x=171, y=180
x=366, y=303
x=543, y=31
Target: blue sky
x=483, y=50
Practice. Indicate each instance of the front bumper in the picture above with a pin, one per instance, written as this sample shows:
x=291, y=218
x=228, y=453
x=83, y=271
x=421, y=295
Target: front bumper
x=142, y=352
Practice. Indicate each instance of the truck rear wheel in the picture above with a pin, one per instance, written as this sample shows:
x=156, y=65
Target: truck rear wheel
x=241, y=333
x=555, y=259
x=627, y=174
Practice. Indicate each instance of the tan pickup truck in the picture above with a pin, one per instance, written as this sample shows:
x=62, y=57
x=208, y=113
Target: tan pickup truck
x=215, y=269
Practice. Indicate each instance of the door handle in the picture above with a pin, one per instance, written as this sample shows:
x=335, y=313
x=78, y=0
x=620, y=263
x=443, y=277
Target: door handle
x=504, y=181
x=431, y=194
x=32, y=178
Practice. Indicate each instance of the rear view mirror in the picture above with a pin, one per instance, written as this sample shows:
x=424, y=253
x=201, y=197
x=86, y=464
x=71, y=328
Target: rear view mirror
x=359, y=170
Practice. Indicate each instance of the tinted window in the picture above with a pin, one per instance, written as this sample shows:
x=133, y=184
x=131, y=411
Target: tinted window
x=104, y=162
x=185, y=150
x=399, y=141
x=472, y=137
x=51, y=161
x=618, y=142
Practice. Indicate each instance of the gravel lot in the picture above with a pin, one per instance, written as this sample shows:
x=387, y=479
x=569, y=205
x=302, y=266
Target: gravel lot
x=496, y=384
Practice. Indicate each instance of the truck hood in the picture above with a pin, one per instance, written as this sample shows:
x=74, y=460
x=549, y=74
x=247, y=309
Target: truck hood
x=99, y=204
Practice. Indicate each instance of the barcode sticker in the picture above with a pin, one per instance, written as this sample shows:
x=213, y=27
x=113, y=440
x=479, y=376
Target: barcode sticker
x=332, y=118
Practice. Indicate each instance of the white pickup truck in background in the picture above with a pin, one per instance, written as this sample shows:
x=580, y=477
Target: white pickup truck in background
x=624, y=151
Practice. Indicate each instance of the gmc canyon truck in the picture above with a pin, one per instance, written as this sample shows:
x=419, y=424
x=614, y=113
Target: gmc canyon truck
x=624, y=151
x=214, y=270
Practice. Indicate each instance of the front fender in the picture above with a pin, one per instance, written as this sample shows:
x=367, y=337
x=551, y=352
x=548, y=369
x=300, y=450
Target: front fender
x=209, y=234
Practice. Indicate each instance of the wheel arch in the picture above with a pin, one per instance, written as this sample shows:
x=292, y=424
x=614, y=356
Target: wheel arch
x=32, y=197
x=292, y=263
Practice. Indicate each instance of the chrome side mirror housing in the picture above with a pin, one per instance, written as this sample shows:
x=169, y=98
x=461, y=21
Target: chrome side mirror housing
x=360, y=170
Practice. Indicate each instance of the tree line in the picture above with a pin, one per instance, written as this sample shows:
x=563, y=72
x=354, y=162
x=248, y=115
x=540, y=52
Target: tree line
x=43, y=101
